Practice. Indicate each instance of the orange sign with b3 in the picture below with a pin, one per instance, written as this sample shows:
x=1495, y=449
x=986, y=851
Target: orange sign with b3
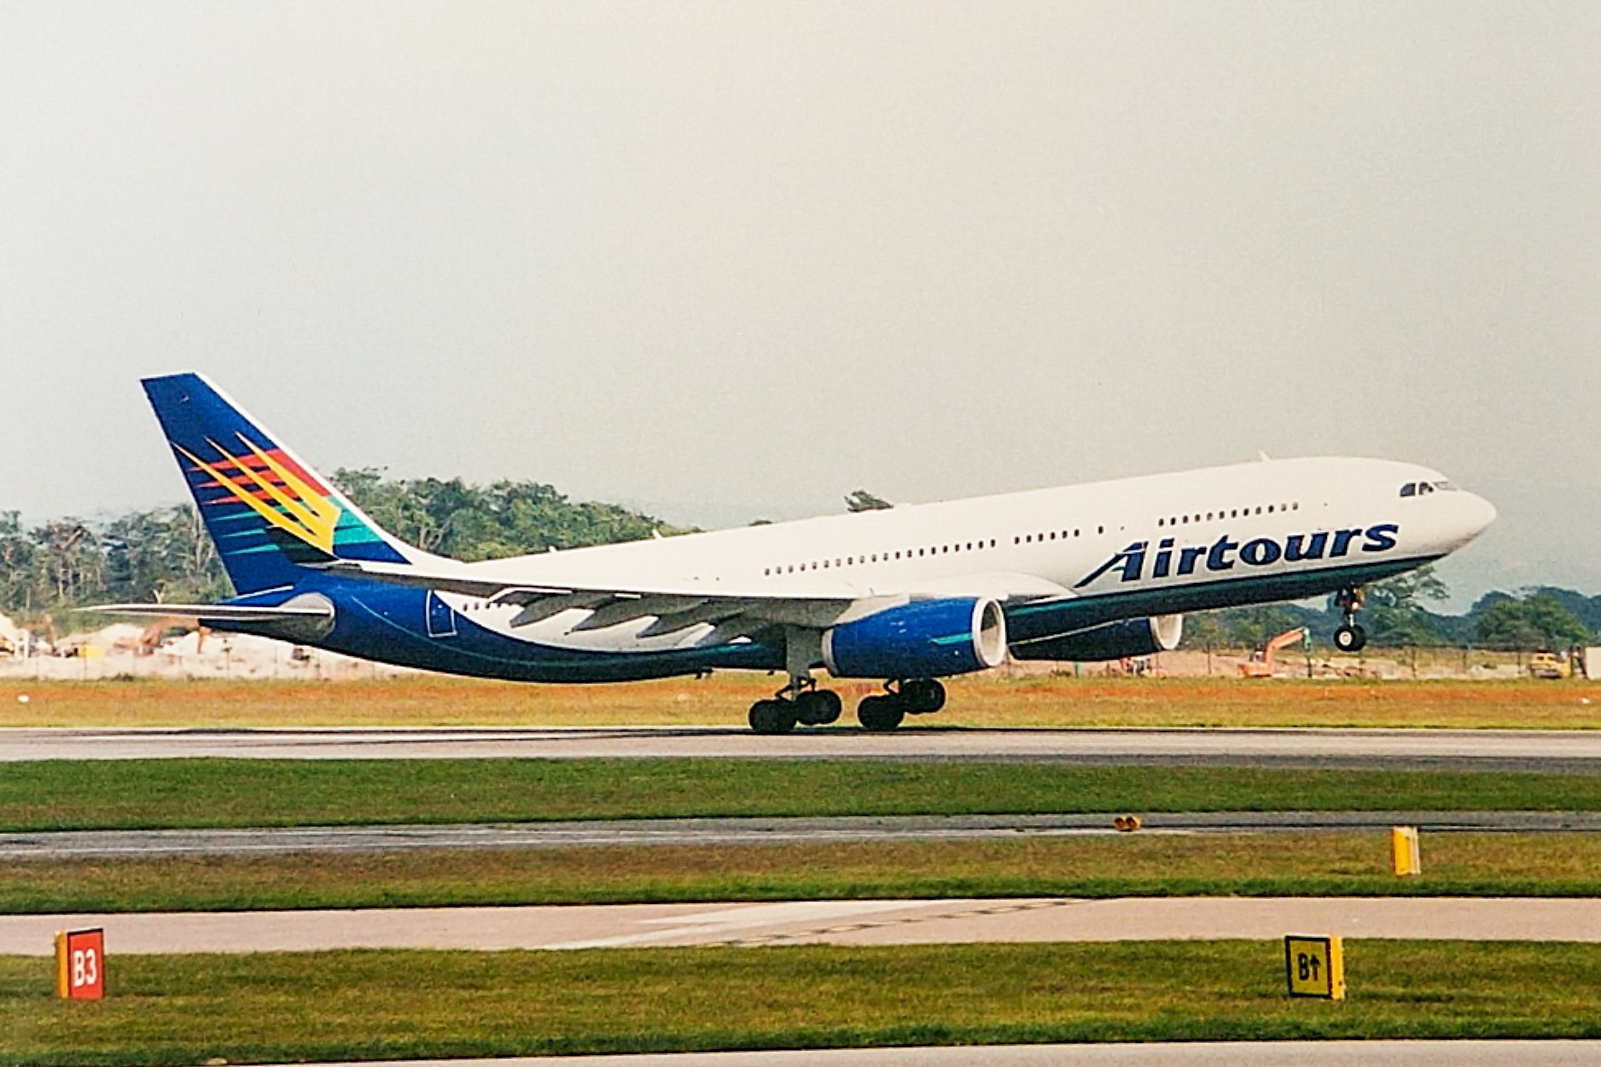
x=81, y=964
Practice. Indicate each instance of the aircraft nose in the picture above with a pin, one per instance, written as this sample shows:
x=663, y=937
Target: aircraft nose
x=1477, y=513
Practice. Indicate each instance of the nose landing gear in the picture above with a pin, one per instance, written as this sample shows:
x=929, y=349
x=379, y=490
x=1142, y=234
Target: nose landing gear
x=1349, y=637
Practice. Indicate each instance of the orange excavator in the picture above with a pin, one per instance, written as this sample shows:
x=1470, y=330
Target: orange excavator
x=1260, y=664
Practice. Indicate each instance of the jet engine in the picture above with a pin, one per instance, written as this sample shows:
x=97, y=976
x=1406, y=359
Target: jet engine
x=1114, y=640
x=923, y=639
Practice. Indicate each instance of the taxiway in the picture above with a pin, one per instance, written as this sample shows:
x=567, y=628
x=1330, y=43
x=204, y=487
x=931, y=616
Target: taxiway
x=837, y=922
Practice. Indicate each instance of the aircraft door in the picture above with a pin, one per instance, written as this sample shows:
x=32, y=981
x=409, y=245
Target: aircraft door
x=441, y=618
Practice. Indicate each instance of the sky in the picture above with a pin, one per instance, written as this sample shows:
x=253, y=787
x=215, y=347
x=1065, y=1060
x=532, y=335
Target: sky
x=727, y=261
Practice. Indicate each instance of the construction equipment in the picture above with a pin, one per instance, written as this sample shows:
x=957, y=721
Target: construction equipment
x=1260, y=665
x=1549, y=665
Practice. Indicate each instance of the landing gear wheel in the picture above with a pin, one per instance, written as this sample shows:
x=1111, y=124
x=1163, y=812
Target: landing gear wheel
x=818, y=707
x=880, y=714
x=1351, y=638
x=772, y=717
x=922, y=696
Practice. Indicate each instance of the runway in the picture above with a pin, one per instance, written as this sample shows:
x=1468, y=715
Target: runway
x=1514, y=750
x=147, y=844
x=836, y=922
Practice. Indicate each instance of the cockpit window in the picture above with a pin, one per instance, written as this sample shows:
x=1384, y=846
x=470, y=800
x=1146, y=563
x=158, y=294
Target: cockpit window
x=1419, y=488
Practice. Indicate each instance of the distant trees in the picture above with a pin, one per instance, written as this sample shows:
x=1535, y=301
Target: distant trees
x=165, y=555
x=1537, y=621
x=1396, y=615
x=470, y=522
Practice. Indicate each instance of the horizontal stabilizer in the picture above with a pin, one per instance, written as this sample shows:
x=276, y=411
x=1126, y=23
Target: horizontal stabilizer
x=219, y=612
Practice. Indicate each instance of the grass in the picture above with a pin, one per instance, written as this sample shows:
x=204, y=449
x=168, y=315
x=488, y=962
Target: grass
x=385, y=1004
x=132, y=794
x=1343, y=864
x=987, y=701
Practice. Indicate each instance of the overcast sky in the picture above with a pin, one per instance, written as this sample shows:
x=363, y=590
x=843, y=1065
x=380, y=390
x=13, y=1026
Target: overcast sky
x=727, y=261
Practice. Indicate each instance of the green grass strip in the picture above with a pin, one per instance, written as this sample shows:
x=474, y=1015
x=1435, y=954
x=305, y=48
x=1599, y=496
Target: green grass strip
x=133, y=794
x=359, y=1005
x=1342, y=864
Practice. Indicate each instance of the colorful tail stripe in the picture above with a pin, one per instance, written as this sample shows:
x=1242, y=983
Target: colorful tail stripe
x=268, y=513
x=274, y=489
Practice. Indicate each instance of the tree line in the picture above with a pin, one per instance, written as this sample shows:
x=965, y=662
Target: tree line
x=1396, y=615
x=163, y=554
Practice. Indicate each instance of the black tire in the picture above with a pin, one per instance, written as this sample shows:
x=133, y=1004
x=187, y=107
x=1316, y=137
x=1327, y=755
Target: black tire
x=1350, y=638
x=880, y=714
x=922, y=696
x=818, y=707
x=772, y=717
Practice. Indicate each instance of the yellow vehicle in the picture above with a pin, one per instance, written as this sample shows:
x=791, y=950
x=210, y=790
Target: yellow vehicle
x=1549, y=665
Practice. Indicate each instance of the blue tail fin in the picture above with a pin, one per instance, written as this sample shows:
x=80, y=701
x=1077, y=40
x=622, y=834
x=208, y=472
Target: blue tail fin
x=268, y=512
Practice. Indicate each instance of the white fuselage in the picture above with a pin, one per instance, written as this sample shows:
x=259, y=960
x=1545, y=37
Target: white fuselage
x=1184, y=533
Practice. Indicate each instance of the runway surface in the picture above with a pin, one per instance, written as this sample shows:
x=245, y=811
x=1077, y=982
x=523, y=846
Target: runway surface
x=147, y=844
x=838, y=922
x=1526, y=750
x=1241, y=1054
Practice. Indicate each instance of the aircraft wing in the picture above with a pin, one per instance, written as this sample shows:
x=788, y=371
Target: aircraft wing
x=822, y=602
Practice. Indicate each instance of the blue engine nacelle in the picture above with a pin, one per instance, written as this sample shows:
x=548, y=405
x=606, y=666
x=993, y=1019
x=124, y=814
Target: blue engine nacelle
x=1114, y=640
x=923, y=639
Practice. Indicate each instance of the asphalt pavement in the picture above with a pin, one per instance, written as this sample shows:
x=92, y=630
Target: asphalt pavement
x=147, y=844
x=1522, y=750
x=837, y=922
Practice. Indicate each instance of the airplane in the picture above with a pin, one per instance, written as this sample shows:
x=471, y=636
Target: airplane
x=906, y=595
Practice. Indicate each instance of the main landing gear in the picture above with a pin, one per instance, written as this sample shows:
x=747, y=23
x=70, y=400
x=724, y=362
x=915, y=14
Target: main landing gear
x=801, y=703
x=912, y=696
x=1349, y=637
x=793, y=705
